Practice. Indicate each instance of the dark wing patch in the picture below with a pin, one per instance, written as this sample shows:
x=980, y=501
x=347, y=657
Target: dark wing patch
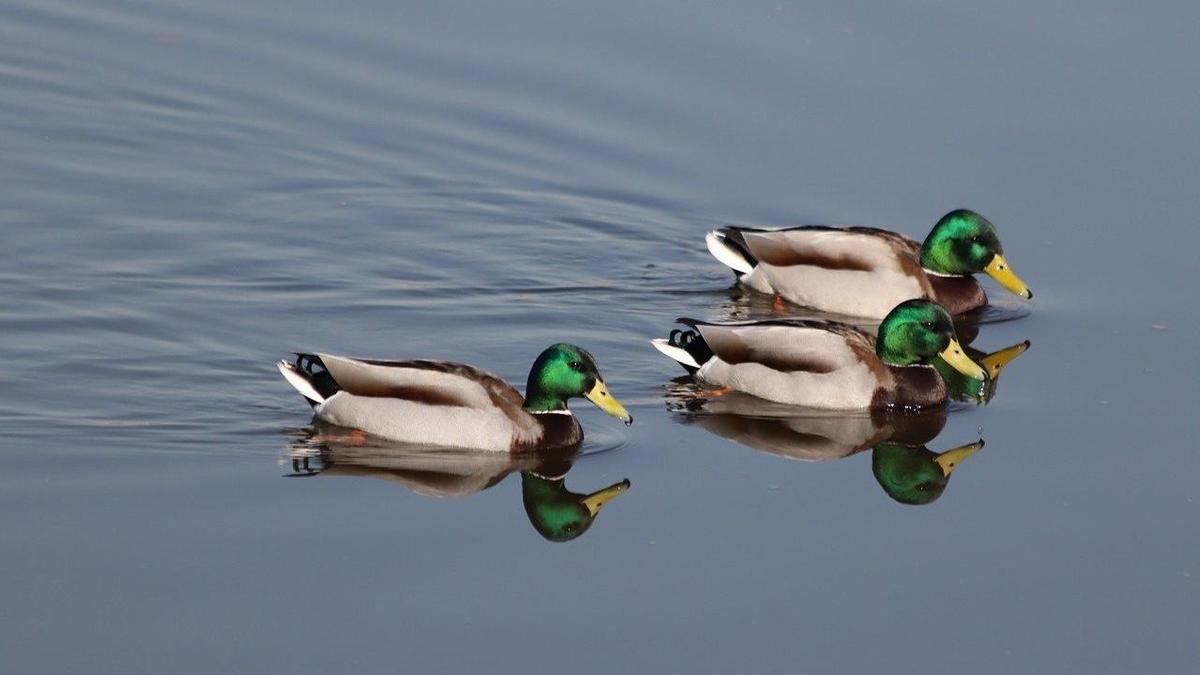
x=792, y=254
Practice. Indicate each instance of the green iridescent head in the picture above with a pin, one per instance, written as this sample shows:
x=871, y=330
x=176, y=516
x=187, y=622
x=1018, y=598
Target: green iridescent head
x=916, y=475
x=559, y=514
x=563, y=372
x=964, y=243
x=917, y=331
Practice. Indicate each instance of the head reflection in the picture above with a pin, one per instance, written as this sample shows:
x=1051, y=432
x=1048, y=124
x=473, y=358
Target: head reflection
x=915, y=474
x=559, y=514
x=555, y=512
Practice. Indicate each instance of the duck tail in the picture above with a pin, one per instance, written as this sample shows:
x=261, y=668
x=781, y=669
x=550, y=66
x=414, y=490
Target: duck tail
x=686, y=347
x=729, y=247
x=316, y=386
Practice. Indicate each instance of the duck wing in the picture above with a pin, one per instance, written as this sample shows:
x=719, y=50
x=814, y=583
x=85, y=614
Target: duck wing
x=423, y=381
x=858, y=270
x=861, y=249
x=787, y=346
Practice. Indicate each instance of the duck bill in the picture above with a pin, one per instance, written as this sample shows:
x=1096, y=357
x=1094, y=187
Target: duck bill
x=958, y=360
x=952, y=458
x=999, y=270
x=605, y=401
x=996, y=361
x=595, y=501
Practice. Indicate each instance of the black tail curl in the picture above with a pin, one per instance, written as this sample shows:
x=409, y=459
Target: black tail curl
x=317, y=374
x=691, y=342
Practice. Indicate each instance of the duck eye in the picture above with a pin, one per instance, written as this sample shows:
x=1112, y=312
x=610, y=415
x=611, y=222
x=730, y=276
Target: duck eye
x=929, y=325
x=575, y=365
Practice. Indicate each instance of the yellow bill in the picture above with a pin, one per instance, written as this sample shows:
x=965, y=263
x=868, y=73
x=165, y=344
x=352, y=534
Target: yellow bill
x=999, y=270
x=994, y=363
x=605, y=401
x=952, y=458
x=598, y=499
x=959, y=361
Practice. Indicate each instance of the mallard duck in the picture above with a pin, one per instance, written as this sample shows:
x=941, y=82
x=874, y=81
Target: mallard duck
x=915, y=474
x=437, y=403
x=825, y=364
x=863, y=271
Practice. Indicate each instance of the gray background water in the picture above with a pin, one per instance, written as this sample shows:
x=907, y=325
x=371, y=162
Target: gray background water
x=192, y=189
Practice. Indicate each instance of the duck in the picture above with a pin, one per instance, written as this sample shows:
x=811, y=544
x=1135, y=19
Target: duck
x=827, y=364
x=907, y=470
x=865, y=271
x=447, y=404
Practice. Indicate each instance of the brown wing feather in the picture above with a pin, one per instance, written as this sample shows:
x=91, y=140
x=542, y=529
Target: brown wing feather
x=788, y=346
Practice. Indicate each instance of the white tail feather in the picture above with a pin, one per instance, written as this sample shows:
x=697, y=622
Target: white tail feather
x=301, y=383
x=677, y=353
x=728, y=255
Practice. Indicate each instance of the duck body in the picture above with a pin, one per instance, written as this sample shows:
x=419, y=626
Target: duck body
x=819, y=364
x=863, y=271
x=825, y=364
x=446, y=404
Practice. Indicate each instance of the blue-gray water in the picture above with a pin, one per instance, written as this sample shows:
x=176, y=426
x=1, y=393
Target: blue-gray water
x=190, y=190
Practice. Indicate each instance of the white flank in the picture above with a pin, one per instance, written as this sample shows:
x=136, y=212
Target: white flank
x=728, y=256
x=301, y=383
x=677, y=353
x=411, y=422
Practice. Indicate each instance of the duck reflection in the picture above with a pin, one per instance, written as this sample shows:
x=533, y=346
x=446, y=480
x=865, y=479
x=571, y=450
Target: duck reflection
x=907, y=470
x=555, y=512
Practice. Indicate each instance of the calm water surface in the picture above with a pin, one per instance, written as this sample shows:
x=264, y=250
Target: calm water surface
x=190, y=190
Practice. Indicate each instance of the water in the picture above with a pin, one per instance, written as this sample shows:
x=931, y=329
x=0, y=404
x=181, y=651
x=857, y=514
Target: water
x=192, y=191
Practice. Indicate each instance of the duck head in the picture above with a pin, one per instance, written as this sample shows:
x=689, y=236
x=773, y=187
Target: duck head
x=915, y=474
x=917, y=331
x=564, y=371
x=964, y=243
x=559, y=514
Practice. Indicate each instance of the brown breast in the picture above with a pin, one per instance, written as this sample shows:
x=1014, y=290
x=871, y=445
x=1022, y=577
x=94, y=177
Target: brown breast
x=957, y=294
x=558, y=431
x=915, y=386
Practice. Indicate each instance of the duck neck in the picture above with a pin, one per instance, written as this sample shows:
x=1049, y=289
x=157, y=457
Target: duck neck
x=539, y=488
x=538, y=400
x=891, y=355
